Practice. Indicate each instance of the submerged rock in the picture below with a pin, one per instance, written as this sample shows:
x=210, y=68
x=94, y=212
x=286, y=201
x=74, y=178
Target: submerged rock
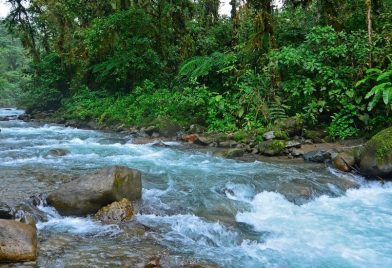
x=296, y=191
x=58, y=152
x=318, y=156
x=86, y=195
x=18, y=241
x=376, y=157
x=116, y=212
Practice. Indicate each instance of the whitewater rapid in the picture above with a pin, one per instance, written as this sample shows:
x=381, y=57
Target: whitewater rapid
x=198, y=207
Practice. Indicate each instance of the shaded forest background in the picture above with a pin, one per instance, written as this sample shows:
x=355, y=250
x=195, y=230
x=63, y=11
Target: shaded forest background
x=327, y=63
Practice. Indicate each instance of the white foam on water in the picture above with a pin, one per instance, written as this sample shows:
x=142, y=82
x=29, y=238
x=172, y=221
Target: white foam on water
x=239, y=192
x=75, y=225
x=354, y=230
x=190, y=231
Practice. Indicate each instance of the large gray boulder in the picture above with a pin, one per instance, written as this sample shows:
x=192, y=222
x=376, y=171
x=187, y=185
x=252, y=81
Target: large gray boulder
x=18, y=241
x=86, y=195
x=376, y=156
x=317, y=156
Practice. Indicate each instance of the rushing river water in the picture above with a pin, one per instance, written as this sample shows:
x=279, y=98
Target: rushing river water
x=197, y=208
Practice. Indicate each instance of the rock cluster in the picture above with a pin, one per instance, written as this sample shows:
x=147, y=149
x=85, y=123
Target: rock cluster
x=86, y=195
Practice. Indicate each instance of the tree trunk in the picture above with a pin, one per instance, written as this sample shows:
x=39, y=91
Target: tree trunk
x=368, y=4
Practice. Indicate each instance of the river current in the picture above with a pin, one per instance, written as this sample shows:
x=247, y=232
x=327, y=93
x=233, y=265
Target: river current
x=197, y=208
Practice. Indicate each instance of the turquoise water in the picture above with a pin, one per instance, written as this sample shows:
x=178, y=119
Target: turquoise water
x=197, y=208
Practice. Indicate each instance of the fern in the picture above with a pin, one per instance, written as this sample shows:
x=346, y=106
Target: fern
x=276, y=111
x=383, y=89
x=203, y=66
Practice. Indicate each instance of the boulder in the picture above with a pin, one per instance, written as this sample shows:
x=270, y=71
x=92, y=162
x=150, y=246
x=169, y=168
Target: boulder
x=293, y=144
x=231, y=153
x=344, y=161
x=227, y=144
x=318, y=156
x=297, y=152
x=165, y=127
x=87, y=194
x=58, y=152
x=196, y=129
x=18, y=241
x=296, y=191
x=116, y=212
x=271, y=147
x=270, y=135
x=376, y=156
x=150, y=130
x=315, y=135
x=195, y=139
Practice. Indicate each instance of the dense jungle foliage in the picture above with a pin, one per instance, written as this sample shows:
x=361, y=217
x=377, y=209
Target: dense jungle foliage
x=13, y=69
x=327, y=62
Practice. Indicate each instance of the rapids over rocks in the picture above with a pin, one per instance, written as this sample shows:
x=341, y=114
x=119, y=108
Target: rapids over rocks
x=197, y=208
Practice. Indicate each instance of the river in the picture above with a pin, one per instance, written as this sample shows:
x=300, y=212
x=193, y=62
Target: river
x=197, y=208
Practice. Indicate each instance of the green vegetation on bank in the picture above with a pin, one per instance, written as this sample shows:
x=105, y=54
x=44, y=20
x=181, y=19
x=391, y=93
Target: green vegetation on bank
x=326, y=63
x=13, y=66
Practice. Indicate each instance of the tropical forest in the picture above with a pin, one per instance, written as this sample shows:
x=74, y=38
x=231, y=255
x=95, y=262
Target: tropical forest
x=196, y=133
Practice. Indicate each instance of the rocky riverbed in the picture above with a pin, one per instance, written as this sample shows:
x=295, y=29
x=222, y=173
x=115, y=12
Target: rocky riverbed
x=196, y=208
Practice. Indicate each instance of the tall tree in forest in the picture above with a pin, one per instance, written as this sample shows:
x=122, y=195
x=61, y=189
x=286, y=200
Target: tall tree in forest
x=368, y=4
x=263, y=37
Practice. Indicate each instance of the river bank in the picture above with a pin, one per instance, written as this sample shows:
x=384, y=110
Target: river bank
x=195, y=136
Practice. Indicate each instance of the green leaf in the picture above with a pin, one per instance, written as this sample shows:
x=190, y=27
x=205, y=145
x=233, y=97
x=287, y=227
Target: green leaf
x=373, y=70
x=350, y=93
x=241, y=112
x=387, y=95
x=361, y=82
x=385, y=75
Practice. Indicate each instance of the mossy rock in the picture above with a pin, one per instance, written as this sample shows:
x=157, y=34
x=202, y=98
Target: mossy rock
x=272, y=147
x=166, y=127
x=231, y=153
x=314, y=135
x=376, y=157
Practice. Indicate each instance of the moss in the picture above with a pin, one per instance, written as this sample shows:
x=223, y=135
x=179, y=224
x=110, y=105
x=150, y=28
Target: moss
x=278, y=145
x=281, y=135
x=383, y=143
x=272, y=147
x=242, y=135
